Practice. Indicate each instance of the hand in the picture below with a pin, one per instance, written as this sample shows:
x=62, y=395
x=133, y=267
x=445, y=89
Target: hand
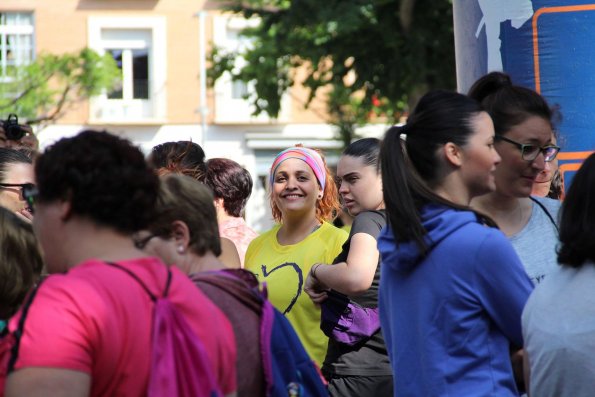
x=517, y=358
x=315, y=289
x=317, y=297
x=30, y=141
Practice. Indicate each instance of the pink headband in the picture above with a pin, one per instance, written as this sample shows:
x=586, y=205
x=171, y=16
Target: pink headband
x=309, y=156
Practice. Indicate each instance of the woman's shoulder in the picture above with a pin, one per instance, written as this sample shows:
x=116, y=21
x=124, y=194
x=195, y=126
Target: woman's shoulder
x=490, y=255
x=378, y=216
x=552, y=205
x=331, y=231
x=261, y=245
x=556, y=284
x=264, y=236
x=369, y=222
x=476, y=235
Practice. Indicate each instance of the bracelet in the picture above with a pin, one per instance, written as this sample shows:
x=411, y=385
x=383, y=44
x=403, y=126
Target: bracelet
x=313, y=271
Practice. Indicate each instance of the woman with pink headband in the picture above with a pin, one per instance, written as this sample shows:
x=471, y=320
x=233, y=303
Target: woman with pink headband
x=303, y=199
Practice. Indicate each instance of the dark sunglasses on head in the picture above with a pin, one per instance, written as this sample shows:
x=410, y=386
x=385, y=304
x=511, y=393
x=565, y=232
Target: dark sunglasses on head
x=530, y=152
x=24, y=187
x=28, y=192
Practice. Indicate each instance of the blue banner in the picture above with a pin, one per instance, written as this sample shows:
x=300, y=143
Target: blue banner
x=544, y=45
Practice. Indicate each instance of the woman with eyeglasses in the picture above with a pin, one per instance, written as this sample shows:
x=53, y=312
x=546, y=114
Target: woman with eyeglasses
x=524, y=140
x=16, y=176
x=184, y=233
x=549, y=181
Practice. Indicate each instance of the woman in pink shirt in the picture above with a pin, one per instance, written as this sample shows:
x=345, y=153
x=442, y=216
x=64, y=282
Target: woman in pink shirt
x=231, y=185
x=88, y=329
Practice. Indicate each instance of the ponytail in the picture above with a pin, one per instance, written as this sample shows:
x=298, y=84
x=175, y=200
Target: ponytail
x=409, y=164
x=397, y=178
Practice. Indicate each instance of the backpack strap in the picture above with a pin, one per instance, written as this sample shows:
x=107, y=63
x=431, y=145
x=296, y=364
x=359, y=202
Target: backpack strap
x=266, y=332
x=243, y=286
x=173, y=339
x=14, y=352
x=546, y=212
x=143, y=285
x=232, y=283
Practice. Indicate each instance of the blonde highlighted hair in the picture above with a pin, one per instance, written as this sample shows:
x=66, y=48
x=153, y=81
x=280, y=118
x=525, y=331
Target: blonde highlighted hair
x=20, y=262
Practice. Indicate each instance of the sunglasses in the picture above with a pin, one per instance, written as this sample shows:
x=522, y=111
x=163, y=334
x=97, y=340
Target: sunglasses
x=28, y=192
x=530, y=152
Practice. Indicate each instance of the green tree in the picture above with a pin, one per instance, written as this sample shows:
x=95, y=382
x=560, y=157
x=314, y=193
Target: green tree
x=43, y=91
x=371, y=58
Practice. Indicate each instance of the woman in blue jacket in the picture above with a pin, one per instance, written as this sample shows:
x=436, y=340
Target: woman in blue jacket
x=452, y=288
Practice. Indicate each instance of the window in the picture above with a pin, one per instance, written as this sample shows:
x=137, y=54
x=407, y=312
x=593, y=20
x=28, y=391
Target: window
x=236, y=42
x=232, y=97
x=138, y=47
x=16, y=42
x=239, y=89
x=134, y=64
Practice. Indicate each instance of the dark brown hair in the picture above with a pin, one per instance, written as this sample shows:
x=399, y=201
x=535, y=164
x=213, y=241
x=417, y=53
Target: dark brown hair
x=104, y=177
x=410, y=165
x=508, y=104
x=230, y=182
x=577, y=220
x=183, y=157
x=11, y=156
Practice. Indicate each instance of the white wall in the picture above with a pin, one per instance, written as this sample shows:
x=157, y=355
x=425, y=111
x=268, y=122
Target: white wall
x=252, y=146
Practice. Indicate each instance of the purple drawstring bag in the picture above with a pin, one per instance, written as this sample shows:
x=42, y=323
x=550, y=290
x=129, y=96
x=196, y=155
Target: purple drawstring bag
x=180, y=365
x=346, y=321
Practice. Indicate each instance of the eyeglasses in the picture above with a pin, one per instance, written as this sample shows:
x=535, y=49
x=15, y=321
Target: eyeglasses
x=27, y=191
x=141, y=243
x=530, y=152
x=30, y=195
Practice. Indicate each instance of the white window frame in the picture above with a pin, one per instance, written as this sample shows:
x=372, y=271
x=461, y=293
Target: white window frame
x=230, y=110
x=17, y=29
x=102, y=109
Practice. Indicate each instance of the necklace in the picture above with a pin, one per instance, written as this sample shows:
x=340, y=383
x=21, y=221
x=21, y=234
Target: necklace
x=293, y=238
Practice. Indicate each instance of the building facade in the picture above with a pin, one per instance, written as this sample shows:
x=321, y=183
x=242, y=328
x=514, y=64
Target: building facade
x=160, y=47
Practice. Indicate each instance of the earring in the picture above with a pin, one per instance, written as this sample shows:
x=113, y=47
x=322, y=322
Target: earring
x=180, y=249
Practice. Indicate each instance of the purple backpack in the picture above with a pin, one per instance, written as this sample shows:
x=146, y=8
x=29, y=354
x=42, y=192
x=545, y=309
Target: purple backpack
x=347, y=322
x=179, y=362
x=288, y=370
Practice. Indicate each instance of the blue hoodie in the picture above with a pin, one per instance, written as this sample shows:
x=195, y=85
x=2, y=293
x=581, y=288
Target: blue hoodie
x=449, y=318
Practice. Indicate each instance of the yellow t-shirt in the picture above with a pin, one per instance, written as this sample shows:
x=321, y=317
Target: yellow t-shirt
x=284, y=269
